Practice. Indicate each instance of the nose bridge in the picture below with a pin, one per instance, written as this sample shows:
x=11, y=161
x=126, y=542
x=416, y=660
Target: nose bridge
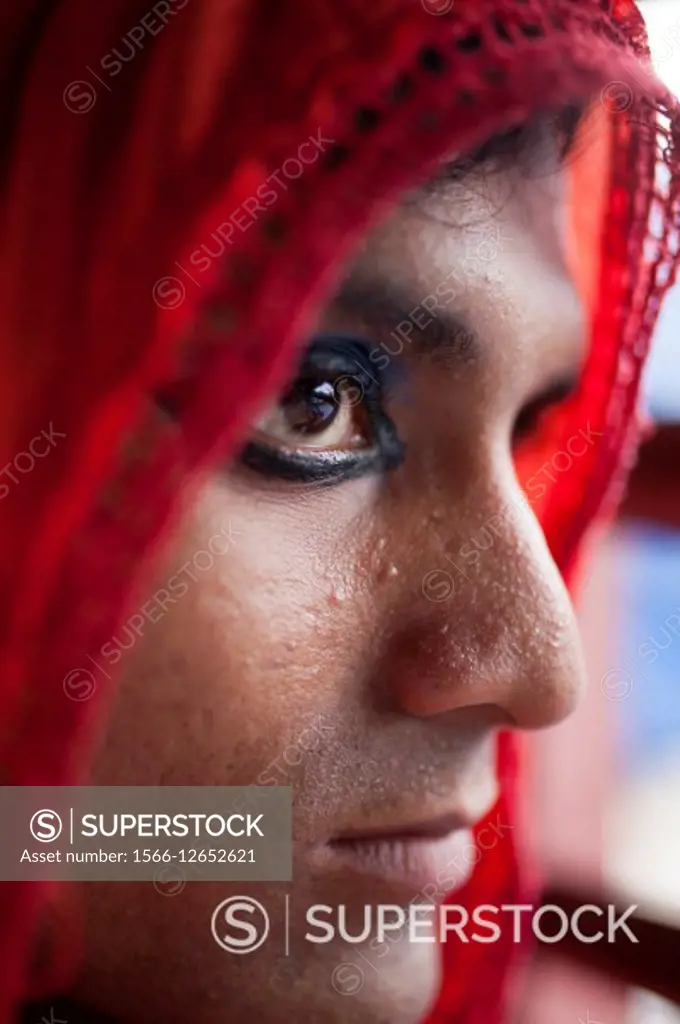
x=496, y=622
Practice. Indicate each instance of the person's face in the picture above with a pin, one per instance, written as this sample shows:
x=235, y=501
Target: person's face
x=385, y=605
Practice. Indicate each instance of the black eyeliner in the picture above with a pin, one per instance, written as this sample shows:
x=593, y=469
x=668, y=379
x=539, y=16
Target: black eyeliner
x=323, y=467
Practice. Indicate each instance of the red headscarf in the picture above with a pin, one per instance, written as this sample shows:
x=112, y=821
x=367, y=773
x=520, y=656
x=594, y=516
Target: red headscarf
x=115, y=171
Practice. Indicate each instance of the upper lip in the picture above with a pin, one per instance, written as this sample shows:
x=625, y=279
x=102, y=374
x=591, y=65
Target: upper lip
x=433, y=828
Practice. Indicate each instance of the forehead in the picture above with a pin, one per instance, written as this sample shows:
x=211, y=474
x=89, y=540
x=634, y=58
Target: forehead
x=474, y=223
x=484, y=249
x=512, y=189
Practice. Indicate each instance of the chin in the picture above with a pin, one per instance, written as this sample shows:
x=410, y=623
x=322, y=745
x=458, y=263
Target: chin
x=397, y=985
x=152, y=958
x=343, y=984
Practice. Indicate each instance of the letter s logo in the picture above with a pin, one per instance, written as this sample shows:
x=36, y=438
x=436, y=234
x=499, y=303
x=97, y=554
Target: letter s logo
x=45, y=826
x=227, y=918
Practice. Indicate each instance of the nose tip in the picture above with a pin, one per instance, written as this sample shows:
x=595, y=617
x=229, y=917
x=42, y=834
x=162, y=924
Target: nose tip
x=546, y=674
x=498, y=631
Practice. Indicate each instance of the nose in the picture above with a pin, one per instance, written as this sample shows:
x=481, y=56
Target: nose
x=491, y=622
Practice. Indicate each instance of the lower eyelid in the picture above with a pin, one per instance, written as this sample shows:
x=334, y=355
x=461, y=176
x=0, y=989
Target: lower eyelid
x=327, y=467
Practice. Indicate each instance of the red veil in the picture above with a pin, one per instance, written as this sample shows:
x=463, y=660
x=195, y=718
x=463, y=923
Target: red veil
x=115, y=171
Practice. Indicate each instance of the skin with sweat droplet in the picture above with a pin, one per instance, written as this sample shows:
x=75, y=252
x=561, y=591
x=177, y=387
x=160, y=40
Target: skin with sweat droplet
x=312, y=655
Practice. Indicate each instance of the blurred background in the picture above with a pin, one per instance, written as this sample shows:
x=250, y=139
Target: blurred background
x=608, y=782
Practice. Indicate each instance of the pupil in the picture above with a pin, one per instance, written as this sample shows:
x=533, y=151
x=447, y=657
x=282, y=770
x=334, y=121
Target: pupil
x=310, y=407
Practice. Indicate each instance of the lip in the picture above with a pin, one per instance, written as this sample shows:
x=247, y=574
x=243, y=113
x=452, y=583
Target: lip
x=433, y=857
x=434, y=828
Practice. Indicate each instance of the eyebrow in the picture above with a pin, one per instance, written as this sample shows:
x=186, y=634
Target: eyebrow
x=379, y=301
x=427, y=326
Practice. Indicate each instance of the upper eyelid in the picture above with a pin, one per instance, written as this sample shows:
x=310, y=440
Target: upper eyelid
x=323, y=349
x=352, y=354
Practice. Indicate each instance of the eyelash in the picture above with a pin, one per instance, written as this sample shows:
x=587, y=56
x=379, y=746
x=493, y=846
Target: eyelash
x=332, y=358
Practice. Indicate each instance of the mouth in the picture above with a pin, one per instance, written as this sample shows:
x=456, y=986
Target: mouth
x=431, y=857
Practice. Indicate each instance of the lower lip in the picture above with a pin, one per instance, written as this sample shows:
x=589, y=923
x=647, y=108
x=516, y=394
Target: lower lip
x=432, y=865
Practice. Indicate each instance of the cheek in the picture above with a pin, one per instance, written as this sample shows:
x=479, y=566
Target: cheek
x=262, y=642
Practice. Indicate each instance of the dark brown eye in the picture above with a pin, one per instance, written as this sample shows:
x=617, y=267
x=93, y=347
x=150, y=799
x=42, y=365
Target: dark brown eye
x=316, y=413
x=309, y=408
x=330, y=424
